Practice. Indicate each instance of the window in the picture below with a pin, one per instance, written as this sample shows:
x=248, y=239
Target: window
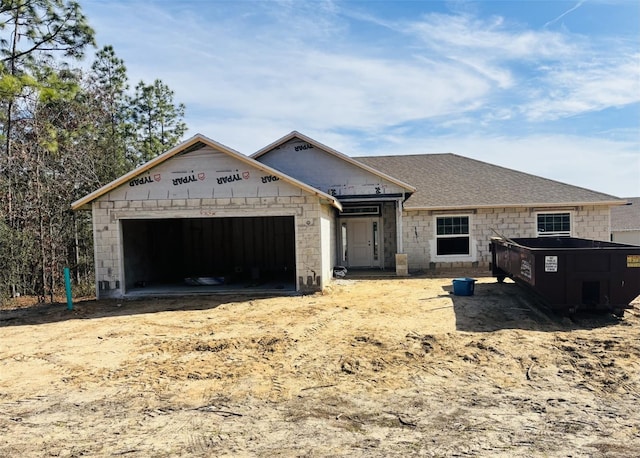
x=452, y=235
x=375, y=241
x=372, y=210
x=554, y=224
x=343, y=238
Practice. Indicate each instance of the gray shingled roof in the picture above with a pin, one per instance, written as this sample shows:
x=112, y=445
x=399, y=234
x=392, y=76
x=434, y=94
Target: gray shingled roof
x=627, y=217
x=453, y=181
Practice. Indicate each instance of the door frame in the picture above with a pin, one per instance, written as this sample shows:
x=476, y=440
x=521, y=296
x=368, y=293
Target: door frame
x=343, y=242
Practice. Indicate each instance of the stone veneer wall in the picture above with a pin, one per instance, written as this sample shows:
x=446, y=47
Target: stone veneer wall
x=305, y=209
x=589, y=222
x=417, y=230
x=389, y=234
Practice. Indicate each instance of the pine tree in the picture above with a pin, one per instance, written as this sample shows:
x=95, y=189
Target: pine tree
x=108, y=83
x=32, y=34
x=156, y=122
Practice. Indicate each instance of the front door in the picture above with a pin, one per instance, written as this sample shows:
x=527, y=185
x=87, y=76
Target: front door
x=361, y=244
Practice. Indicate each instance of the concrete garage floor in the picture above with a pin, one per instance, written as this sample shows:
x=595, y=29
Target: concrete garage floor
x=240, y=287
x=177, y=289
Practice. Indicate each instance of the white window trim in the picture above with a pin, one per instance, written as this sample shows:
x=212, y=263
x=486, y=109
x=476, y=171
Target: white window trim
x=555, y=234
x=452, y=257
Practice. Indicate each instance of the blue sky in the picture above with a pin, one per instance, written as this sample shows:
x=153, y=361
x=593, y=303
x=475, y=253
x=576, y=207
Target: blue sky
x=551, y=88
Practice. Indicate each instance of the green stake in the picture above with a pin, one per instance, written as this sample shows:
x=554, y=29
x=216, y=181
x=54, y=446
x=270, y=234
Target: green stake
x=67, y=285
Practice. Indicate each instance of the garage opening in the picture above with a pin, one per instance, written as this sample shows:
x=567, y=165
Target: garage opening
x=208, y=254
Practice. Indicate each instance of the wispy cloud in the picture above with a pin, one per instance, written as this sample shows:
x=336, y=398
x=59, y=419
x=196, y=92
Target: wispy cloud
x=570, y=10
x=568, y=90
x=347, y=74
x=268, y=63
x=547, y=75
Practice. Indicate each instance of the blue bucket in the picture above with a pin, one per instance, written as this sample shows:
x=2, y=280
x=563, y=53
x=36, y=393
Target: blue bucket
x=463, y=286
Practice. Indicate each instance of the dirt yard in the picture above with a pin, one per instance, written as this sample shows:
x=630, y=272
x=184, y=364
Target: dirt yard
x=396, y=367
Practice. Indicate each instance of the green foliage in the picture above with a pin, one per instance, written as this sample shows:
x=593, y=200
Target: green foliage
x=42, y=29
x=57, y=85
x=11, y=86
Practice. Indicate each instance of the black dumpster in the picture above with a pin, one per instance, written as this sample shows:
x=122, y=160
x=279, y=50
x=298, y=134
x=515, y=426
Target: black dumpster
x=571, y=273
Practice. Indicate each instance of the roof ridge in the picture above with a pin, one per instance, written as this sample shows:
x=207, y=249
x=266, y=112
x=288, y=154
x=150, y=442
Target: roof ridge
x=490, y=164
x=406, y=155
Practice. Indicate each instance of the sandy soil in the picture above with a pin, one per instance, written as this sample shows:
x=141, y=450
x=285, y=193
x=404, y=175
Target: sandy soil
x=396, y=367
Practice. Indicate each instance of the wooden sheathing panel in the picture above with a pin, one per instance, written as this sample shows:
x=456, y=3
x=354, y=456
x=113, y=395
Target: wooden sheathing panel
x=238, y=248
x=325, y=171
x=204, y=173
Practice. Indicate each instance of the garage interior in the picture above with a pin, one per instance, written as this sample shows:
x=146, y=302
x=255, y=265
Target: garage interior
x=208, y=255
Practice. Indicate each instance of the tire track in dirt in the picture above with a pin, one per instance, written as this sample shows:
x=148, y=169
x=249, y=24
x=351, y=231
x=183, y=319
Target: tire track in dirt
x=298, y=359
x=359, y=374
